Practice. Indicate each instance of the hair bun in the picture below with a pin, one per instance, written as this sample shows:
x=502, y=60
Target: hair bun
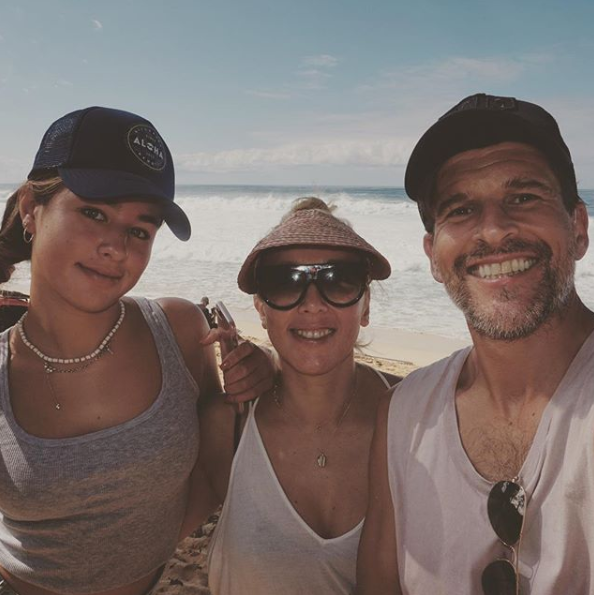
x=305, y=203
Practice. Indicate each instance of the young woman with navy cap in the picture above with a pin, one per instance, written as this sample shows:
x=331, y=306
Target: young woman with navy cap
x=98, y=392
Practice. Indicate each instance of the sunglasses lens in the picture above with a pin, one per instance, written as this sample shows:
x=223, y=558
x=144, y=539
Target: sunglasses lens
x=506, y=506
x=281, y=286
x=343, y=284
x=499, y=578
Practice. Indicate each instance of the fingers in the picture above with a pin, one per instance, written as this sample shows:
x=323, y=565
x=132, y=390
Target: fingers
x=251, y=393
x=248, y=371
x=218, y=334
x=245, y=375
x=242, y=352
x=211, y=337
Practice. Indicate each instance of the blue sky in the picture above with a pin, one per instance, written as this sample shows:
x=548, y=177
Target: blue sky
x=290, y=92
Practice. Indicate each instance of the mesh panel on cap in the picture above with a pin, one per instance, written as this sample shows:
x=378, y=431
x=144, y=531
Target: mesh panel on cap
x=57, y=142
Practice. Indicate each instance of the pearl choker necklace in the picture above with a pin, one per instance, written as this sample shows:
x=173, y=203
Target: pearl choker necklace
x=81, y=363
x=84, y=359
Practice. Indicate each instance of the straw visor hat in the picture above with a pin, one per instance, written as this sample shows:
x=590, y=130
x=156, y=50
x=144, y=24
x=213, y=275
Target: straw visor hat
x=312, y=228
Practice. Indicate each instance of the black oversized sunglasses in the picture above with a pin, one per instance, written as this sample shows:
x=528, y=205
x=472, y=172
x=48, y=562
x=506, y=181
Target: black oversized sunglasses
x=506, y=508
x=283, y=286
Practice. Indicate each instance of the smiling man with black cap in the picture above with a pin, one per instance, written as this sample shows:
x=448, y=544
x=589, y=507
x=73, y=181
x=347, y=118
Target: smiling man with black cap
x=483, y=463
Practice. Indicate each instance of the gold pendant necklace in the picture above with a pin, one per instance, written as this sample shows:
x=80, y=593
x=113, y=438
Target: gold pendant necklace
x=321, y=458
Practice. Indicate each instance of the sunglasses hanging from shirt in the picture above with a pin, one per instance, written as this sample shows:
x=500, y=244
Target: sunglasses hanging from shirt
x=506, y=508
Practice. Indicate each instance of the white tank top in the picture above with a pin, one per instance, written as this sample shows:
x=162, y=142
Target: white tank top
x=444, y=537
x=262, y=546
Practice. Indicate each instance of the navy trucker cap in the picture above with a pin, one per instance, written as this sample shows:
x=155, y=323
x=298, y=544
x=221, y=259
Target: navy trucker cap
x=482, y=120
x=107, y=154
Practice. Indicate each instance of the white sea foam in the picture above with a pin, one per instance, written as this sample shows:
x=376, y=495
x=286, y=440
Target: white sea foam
x=228, y=221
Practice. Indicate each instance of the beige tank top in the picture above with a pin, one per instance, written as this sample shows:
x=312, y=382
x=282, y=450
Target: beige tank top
x=261, y=545
x=444, y=537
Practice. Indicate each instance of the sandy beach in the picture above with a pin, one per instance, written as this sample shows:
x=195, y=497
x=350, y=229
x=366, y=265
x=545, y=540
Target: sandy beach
x=185, y=573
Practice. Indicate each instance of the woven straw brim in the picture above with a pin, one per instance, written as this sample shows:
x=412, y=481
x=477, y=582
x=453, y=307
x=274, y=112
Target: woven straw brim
x=312, y=228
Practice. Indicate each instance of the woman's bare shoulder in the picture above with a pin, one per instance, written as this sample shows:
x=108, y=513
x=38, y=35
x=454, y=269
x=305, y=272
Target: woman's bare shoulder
x=183, y=313
x=189, y=326
x=186, y=320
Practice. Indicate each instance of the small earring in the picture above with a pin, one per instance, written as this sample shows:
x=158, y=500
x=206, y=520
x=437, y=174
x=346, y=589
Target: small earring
x=27, y=237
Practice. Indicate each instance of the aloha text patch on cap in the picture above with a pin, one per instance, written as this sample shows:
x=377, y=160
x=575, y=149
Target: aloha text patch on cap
x=146, y=144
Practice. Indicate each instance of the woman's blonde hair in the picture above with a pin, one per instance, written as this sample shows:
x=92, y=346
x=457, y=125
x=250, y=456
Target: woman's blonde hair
x=306, y=203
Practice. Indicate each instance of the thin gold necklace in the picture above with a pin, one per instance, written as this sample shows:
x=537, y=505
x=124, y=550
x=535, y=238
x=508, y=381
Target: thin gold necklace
x=321, y=458
x=80, y=363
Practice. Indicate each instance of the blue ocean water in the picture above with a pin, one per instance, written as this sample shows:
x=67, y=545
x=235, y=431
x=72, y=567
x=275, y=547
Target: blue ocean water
x=333, y=193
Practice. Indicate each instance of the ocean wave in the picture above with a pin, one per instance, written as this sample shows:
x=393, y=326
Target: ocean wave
x=281, y=203
x=5, y=195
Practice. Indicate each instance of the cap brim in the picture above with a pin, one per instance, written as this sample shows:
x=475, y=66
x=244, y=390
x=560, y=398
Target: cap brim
x=103, y=184
x=177, y=221
x=465, y=131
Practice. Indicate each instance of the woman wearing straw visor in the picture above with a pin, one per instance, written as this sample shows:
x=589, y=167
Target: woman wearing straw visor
x=297, y=490
x=98, y=425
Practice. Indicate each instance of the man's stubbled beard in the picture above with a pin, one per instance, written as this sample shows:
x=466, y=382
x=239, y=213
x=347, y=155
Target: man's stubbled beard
x=501, y=318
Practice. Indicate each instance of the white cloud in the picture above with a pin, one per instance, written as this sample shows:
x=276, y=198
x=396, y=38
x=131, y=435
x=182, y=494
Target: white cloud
x=493, y=69
x=371, y=153
x=312, y=74
x=269, y=94
x=97, y=25
x=63, y=83
x=313, y=71
x=321, y=60
x=458, y=73
x=380, y=129
x=312, y=79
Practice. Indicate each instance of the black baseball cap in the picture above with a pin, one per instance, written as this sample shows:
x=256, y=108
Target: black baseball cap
x=108, y=154
x=482, y=120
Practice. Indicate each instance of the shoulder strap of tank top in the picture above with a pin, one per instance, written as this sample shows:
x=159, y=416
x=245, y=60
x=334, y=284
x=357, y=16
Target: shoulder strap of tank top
x=240, y=422
x=237, y=428
x=379, y=374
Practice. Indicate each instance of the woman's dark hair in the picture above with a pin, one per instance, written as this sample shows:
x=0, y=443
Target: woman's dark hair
x=13, y=248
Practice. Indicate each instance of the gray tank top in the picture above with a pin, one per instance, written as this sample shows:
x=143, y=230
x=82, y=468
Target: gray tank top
x=94, y=512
